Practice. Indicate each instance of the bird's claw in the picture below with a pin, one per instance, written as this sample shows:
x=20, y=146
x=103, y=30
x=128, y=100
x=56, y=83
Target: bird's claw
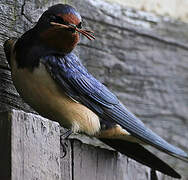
x=64, y=147
x=63, y=138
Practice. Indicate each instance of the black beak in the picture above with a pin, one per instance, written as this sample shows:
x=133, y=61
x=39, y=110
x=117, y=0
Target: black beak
x=72, y=28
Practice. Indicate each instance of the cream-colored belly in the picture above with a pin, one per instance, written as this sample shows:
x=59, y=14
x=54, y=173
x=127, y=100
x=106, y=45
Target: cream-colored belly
x=41, y=92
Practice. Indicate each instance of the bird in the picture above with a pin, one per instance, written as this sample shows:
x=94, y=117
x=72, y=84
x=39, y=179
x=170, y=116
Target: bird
x=54, y=82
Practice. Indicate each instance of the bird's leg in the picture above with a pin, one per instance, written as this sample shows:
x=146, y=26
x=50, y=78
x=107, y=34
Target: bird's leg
x=153, y=175
x=66, y=134
x=63, y=143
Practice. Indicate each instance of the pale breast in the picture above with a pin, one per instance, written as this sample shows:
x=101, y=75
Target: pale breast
x=42, y=93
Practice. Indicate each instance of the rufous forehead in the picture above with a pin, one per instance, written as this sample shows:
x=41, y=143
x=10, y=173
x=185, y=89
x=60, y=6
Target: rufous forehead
x=70, y=18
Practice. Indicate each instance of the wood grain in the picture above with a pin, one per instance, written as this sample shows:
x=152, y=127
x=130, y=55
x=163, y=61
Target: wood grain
x=101, y=164
x=30, y=149
x=35, y=147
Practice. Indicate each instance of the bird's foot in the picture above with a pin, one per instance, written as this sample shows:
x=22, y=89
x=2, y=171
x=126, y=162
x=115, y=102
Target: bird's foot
x=63, y=138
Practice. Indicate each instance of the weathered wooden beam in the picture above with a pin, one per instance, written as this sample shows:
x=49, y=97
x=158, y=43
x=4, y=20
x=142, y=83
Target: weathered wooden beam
x=30, y=149
x=32, y=144
x=95, y=163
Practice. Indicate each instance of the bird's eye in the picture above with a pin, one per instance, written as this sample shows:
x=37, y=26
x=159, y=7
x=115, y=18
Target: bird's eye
x=79, y=25
x=57, y=19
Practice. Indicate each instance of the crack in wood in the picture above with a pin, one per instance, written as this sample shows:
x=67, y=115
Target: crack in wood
x=22, y=12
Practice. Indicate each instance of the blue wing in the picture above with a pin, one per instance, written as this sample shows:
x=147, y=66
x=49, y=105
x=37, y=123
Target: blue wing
x=75, y=80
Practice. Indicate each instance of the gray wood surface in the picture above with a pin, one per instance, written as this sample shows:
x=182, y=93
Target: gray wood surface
x=101, y=164
x=30, y=149
x=35, y=147
x=139, y=56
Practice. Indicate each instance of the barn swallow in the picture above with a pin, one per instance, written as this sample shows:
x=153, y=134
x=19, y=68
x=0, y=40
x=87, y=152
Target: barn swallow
x=53, y=81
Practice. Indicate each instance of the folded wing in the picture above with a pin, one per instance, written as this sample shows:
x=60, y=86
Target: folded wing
x=75, y=80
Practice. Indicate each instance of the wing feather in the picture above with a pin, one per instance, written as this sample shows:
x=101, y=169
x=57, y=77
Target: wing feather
x=75, y=80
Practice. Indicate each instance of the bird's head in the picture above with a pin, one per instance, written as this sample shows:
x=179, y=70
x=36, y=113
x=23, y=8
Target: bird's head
x=59, y=28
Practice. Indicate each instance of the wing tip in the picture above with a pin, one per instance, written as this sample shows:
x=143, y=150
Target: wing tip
x=177, y=152
x=182, y=156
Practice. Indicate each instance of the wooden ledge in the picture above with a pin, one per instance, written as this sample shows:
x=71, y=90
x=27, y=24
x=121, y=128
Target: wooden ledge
x=30, y=149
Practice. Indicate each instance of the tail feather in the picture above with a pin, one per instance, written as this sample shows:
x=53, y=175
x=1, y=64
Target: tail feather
x=142, y=155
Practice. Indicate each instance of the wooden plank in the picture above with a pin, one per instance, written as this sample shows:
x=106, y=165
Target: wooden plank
x=90, y=163
x=94, y=160
x=35, y=147
x=95, y=163
x=36, y=154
